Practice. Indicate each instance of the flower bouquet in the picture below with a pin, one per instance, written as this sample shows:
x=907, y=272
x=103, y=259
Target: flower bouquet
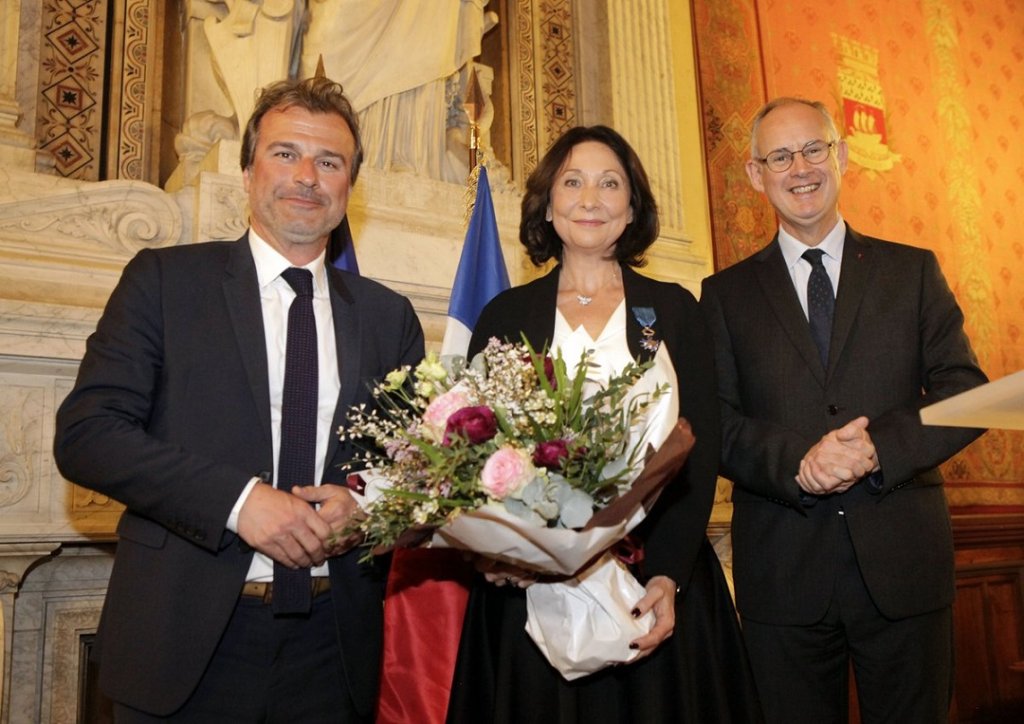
x=514, y=457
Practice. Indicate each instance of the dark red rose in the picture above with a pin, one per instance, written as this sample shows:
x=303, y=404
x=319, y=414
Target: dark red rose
x=475, y=424
x=551, y=454
x=549, y=370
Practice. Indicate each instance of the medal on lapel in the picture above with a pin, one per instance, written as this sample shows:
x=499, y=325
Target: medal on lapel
x=646, y=318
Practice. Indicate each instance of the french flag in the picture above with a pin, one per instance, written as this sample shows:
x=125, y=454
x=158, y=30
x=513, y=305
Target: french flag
x=341, y=252
x=481, y=273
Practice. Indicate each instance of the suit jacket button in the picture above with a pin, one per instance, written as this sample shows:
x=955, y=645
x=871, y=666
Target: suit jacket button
x=833, y=410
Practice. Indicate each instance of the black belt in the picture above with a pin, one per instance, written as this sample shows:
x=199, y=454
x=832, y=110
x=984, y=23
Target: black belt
x=265, y=589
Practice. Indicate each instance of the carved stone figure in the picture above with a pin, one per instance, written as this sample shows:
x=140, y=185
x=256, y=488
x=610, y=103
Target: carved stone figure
x=406, y=66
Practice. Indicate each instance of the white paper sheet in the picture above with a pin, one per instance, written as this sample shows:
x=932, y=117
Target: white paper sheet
x=999, y=404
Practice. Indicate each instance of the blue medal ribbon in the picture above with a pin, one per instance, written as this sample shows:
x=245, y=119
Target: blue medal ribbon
x=646, y=317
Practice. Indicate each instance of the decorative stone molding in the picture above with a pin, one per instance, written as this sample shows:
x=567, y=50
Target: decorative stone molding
x=121, y=217
x=644, y=67
x=65, y=242
x=222, y=207
x=59, y=604
x=522, y=79
x=135, y=90
x=15, y=560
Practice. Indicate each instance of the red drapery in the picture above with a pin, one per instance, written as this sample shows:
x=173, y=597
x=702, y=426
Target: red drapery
x=424, y=606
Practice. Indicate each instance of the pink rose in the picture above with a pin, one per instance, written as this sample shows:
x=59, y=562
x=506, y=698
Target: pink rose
x=435, y=417
x=551, y=454
x=475, y=424
x=506, y=472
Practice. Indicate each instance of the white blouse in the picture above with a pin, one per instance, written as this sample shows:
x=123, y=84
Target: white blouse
x=610, y=355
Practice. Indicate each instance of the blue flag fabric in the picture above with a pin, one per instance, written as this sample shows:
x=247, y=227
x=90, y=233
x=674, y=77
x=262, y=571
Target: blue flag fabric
x=341, y=252
x=481, y=273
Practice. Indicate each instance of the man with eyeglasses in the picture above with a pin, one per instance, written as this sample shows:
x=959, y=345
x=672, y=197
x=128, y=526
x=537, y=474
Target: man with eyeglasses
x=828, y=342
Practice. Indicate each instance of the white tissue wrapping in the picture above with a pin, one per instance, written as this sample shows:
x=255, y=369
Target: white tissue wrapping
x=585, y=624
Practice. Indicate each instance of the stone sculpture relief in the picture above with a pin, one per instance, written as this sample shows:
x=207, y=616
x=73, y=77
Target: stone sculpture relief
x=406, y=66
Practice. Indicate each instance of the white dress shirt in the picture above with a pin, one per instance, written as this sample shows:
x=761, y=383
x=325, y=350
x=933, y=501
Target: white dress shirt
x=276, y=296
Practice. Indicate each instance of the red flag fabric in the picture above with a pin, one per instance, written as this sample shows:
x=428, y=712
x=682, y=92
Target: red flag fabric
x=424, y=606
x=428, y=589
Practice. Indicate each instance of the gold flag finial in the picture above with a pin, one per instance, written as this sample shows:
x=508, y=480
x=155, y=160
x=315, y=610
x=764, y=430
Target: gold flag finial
x=474, y=108
x=320, y=72
x=474, y=97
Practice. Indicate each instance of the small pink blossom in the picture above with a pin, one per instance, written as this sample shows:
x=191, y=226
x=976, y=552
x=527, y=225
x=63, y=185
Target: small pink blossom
x=435, y=417
x=507, y=472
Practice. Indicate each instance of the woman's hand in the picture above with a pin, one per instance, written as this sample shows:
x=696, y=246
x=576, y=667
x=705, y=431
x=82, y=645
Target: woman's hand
x=660, y=598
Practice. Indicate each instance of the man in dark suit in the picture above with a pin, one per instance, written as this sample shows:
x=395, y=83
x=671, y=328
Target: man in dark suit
x=841, y=534
x=177, y=413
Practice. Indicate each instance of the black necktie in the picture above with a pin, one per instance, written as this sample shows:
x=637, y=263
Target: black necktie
x=297, y=462
x=821, y=303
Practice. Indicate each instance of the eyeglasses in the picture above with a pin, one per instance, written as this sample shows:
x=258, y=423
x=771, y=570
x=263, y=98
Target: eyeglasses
x=814, y=152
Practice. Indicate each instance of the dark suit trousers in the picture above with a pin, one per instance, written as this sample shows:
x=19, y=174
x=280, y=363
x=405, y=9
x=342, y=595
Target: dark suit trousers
x=903, y=668
x=268, y=670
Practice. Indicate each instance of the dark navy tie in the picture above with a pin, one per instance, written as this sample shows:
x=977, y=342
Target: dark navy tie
x=821, y=303
x=297, y=461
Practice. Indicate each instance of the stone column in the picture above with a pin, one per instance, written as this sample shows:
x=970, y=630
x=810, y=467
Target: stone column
x=654, y=105
x=16, y=147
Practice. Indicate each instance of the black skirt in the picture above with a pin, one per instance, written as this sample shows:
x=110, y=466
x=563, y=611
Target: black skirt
x=700, y=675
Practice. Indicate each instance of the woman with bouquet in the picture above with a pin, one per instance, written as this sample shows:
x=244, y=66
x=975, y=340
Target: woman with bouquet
x=589, y=205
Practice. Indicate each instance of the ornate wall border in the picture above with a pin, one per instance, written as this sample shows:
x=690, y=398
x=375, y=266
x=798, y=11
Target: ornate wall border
x=132, y=131
x=542, y=74
x=71, y=85
x=79, y=97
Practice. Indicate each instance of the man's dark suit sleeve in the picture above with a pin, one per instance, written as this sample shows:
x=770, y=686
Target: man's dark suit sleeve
x=905, y=446
x=102, y=440
x=760, y=455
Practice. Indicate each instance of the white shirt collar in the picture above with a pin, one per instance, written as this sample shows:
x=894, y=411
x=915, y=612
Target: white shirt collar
x=270, y=263
x=832, y=244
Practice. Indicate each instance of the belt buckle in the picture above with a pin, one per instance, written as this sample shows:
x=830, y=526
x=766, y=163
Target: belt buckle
x=320, y=585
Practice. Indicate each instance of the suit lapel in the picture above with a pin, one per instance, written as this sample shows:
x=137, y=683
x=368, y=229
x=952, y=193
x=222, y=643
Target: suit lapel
x=242, y=297
x=777, y=286
x=853, y=283
x=348, y=341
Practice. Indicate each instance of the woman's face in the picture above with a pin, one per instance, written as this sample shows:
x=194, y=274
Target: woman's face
x=589, y=204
